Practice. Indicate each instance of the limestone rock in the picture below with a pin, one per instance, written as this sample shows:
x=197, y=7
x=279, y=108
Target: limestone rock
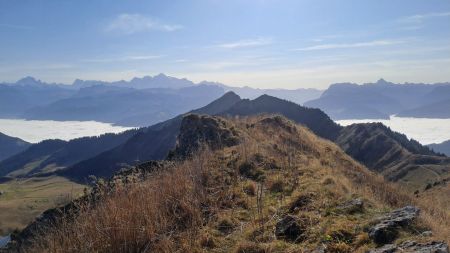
x=352, y=206
x=413, y=247
x=386, y=229
x=198, y=130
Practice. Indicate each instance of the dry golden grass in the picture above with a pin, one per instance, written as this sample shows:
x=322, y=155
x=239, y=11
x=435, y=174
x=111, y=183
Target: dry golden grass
x=151, y=216
x=210, y=204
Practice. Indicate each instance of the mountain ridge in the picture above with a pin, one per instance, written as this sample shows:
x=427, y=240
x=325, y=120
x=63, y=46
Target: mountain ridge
x=392, y=155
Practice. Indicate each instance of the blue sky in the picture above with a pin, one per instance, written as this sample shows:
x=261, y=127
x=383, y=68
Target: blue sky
x=260, y=43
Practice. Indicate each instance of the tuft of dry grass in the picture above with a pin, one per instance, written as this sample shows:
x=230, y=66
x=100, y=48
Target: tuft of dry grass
x=250, y=188
x=251, y=247
x=278, y=185
x=208, y=241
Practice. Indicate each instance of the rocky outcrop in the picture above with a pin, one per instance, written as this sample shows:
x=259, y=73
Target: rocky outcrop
x=412, y=246
x=199, y=130
x=351, y=206
x=387, y=227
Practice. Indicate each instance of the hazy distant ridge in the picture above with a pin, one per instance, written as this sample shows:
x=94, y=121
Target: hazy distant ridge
x=443, y=147
x=381, y=99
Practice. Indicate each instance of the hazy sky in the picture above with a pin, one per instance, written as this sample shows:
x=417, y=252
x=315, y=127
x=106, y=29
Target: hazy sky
x=265, y=43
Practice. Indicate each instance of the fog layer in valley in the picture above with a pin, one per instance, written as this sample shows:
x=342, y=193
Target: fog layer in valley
x=37, y=130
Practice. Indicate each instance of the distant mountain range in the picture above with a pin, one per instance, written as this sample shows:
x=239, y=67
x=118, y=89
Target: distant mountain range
x=381, y=99
x=149, y=100
x=146, y=82
x=374, y=145
x=28, y=93
x=138, y=102
x=10, y=146
x=126, y=106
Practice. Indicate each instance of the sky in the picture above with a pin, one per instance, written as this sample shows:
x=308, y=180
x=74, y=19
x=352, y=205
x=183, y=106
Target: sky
x=256, y=43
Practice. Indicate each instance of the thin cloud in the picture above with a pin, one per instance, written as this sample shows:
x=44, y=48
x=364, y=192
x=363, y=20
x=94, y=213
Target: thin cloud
x=142, y=57
x=126, y=58
x=234, y=63
x=350, y=45
x=421, y=17
x=134, y=23
x=416, y=22
x=246, y=43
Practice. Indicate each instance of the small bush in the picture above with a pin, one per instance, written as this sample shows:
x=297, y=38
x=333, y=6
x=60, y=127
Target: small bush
x=339, y=247
x=277, y=186
x=250, y=188
x=250, y=170
x=362, y=239
x=342, y=235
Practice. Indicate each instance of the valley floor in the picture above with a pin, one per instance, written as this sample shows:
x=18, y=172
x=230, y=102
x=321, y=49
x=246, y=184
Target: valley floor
x=21, y=201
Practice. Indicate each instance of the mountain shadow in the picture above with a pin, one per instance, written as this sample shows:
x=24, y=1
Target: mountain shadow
x=10, y=146
x=49, y=156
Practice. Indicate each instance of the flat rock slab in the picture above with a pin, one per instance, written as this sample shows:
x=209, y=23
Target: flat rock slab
x=386, y=229
x=411, y=246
